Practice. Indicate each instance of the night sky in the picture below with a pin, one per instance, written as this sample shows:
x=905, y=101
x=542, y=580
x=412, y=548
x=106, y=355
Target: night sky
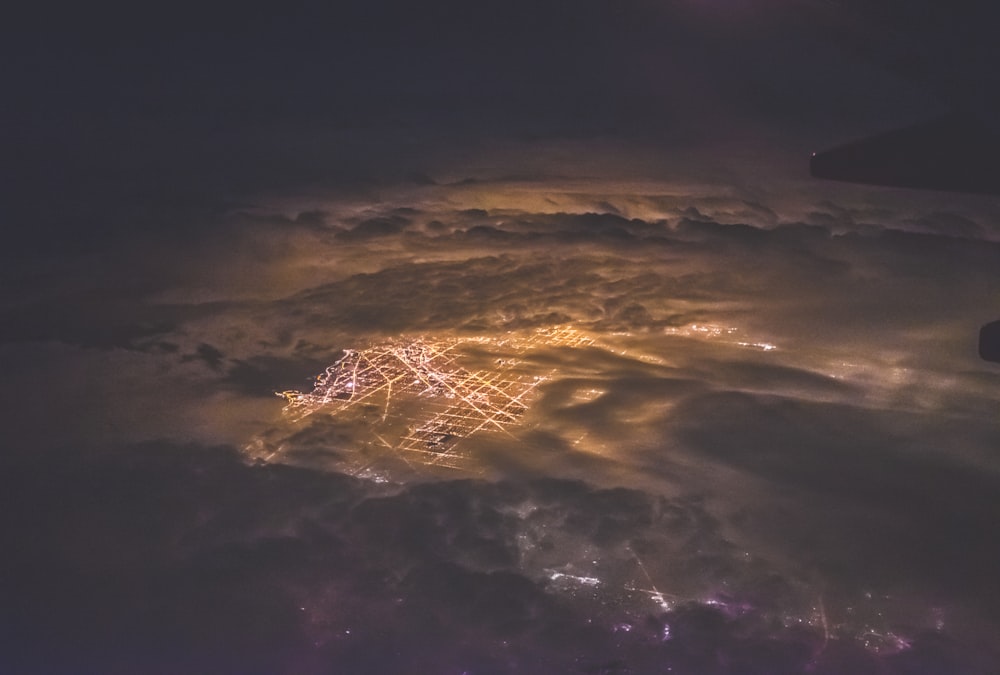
x=577, y=369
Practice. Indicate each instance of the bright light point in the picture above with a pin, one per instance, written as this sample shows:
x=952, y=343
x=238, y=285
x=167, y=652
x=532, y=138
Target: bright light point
x=662, y=601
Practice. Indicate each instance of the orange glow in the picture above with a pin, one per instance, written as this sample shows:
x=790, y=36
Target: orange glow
x=419, y=398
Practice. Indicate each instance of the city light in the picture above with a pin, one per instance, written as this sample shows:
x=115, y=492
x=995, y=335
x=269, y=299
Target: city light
x=422, y=396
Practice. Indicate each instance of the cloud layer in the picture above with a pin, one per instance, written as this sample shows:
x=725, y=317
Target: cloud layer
x=776, y=455
x=186, y=559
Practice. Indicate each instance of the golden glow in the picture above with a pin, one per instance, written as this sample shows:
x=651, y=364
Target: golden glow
x=419, y=398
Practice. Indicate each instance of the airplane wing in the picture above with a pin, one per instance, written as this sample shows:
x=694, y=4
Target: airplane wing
x=954, y=153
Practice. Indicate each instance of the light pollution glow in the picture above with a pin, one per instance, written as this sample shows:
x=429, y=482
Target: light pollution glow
x=734, y=377
x=455, y=402
x=420, y=401
x=420, y=404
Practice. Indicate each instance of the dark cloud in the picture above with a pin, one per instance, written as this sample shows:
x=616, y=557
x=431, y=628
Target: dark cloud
x=183, y=559
x=207, y=354
x=263, y=375
x=751, y=375
x=376, y=227
x=914, y=515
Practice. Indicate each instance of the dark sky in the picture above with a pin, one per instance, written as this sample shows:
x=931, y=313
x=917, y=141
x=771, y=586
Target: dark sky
x=772, y=448
x=145, y=110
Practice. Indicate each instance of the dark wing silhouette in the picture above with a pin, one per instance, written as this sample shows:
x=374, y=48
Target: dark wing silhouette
x=951, y=50
x=954, y=153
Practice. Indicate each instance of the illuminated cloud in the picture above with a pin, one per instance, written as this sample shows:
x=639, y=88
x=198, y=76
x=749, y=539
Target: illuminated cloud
x=704, y=414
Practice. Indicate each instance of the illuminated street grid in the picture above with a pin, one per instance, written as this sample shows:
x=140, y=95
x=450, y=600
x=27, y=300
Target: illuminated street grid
x=452, y=402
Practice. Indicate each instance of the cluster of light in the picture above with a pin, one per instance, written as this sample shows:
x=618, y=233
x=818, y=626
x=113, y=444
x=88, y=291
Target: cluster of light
x=424, y=383
x=884, y=643
x=763, y=346
x=873, y=635
x=655, y=594
x=710, y=330
x=716, y=332
x=574, y=578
